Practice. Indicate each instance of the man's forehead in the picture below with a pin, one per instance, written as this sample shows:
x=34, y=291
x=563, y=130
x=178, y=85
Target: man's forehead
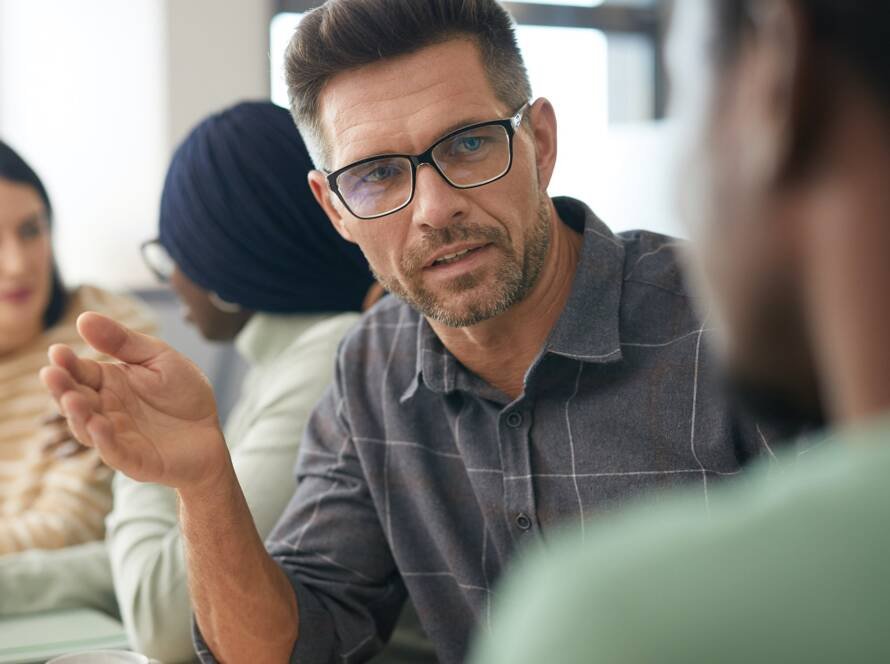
x=403, y=104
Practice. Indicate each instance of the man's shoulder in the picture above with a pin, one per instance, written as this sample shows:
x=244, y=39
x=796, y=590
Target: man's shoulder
x=654, y=260
x=657, y=305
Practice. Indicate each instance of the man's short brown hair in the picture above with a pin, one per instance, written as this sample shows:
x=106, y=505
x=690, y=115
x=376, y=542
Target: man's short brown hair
x=345, y=34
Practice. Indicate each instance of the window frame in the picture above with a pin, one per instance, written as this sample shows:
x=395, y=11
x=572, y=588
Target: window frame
x=649, y=22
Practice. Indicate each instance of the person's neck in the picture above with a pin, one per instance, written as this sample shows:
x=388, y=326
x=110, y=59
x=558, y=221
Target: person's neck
x=847, y=275
x=500, y=350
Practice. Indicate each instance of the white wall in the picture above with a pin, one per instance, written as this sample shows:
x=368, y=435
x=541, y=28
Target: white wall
x=621, y=169
x=96, y=94
x=81, y=85
x=218, y=53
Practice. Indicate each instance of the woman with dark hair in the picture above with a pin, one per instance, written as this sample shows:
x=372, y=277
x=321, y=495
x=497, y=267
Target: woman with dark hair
x=53, y=492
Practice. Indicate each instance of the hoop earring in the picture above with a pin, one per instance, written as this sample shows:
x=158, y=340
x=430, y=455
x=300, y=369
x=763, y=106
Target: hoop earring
x=223, y=305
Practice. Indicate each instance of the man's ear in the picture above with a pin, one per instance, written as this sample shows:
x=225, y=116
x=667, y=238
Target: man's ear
x=543, y=122
x=318, y=183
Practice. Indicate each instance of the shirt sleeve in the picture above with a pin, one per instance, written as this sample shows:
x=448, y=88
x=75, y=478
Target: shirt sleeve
x=68, y=578
x=331, y=546
x=148, y=566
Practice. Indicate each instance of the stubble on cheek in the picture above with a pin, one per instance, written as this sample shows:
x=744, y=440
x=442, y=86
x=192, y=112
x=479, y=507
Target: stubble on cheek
x=484, y=293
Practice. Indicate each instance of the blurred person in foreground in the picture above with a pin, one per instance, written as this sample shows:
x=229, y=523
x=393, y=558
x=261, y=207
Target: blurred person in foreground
x=789, y=201
x=54, y=493
x=534, y=367
x=251, y=256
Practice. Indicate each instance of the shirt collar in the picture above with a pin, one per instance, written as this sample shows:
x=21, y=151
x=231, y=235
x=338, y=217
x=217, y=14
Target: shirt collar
x=587, y=329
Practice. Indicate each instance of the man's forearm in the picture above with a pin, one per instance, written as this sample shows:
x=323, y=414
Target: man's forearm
x=244, y=604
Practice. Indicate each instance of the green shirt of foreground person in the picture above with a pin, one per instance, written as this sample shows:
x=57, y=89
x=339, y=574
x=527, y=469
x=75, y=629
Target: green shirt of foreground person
x=786, y=195
x=788, y=562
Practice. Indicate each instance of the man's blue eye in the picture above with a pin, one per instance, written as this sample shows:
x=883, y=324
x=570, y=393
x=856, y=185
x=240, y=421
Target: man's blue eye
x=379, y=174
x=469, y=144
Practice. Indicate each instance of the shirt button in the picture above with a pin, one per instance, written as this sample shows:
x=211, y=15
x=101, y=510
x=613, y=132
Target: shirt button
x=514, y=420
x=522, y=521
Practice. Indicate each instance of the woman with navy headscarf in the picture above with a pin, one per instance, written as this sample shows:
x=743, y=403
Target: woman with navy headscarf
x=253, y=258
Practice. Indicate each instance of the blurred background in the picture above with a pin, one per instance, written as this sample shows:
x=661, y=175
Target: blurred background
x=96, y=95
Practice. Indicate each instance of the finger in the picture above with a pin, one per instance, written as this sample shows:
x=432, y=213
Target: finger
x=85, y=371
x=59, y=382
x=78, y=411
x=112, y=338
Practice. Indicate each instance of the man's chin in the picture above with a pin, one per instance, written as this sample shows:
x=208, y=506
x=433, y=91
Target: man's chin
x=464, y=301
x=454, y=313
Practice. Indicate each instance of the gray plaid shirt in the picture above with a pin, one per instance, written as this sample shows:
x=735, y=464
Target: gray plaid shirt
x=416, y=476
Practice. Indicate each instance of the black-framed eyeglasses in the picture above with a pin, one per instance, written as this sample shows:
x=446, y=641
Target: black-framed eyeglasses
x=468, y=157
x=157, y=260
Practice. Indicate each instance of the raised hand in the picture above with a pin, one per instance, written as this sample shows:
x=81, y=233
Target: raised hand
x=151, y=415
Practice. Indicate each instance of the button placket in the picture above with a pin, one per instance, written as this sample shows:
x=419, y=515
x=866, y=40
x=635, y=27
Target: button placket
x=515, y=423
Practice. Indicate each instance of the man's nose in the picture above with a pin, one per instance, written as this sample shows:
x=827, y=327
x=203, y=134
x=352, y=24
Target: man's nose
x=436, y=203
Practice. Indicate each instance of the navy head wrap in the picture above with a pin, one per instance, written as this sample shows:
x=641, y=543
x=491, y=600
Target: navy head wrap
x=239, y=219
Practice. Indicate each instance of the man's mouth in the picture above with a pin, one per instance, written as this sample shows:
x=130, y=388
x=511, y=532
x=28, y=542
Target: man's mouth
x=451, y=258
x=455, y=256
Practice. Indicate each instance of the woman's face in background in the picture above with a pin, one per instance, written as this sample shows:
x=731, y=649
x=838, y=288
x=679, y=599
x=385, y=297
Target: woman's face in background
x=25, y=265
x=213, y=323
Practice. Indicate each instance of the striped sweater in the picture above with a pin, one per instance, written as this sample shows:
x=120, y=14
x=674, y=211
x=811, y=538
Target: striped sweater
x=53, y=492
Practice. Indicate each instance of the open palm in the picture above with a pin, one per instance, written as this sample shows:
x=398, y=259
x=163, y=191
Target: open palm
x=151, y=415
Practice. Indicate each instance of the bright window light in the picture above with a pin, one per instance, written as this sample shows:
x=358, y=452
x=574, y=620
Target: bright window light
x=620, y=168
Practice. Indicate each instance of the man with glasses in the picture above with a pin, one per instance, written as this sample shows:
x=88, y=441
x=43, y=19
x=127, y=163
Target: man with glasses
x=533, y=369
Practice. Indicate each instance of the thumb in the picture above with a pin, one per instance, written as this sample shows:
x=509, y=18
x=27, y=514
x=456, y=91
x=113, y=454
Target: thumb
x=111, y=338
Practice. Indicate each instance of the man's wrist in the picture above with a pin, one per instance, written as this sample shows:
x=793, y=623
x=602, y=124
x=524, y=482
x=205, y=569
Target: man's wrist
x=215, y=483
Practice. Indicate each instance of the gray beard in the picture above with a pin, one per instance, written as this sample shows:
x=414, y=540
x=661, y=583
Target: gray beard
x=514, y=279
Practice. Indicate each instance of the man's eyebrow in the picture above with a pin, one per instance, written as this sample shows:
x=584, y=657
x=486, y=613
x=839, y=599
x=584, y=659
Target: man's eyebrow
x=445, y=132
x=459, y=125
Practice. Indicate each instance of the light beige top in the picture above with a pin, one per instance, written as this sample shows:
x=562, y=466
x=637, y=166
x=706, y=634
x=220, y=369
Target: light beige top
x=292, y=363
x=51, y=495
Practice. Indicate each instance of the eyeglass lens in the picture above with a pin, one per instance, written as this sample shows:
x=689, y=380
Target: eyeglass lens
x=468, y=159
